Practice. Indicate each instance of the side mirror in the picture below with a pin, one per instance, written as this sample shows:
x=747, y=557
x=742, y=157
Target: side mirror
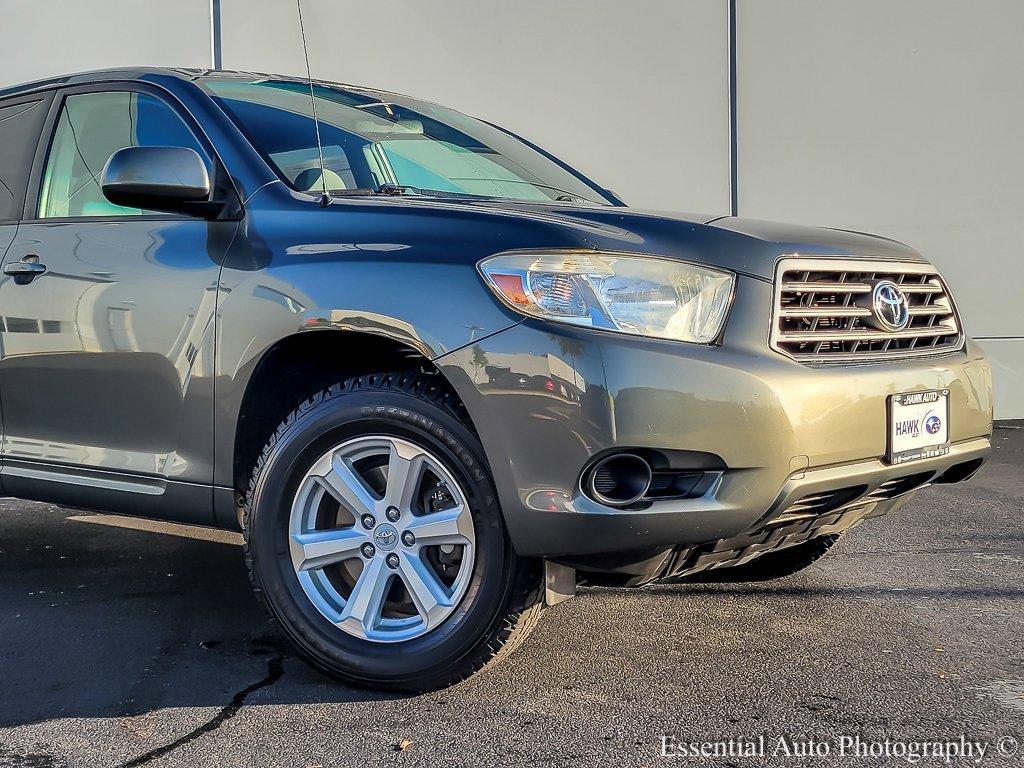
x=171, y=179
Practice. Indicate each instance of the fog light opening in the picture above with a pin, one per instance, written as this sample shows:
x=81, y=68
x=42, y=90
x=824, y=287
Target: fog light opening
x=618, y=480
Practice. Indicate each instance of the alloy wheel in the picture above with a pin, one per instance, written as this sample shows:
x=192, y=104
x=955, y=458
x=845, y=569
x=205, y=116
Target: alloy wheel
x=382, y=538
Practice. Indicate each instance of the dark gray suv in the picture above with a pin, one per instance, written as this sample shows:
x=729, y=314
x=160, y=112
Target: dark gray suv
x=435, y=375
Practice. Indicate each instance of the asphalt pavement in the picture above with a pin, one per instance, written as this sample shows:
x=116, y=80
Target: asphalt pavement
x=127, y=643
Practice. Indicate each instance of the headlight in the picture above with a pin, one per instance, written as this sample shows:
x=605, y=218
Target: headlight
x=639, y=295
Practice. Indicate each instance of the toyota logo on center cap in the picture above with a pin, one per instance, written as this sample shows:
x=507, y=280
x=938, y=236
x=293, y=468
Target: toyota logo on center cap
x=889, y=306
x=386, y=536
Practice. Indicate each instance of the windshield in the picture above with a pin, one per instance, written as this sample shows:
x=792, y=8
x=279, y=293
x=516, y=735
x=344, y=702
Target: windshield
x=372, y=139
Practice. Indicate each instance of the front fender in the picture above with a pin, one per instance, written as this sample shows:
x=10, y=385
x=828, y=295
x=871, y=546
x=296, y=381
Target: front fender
x=405, y=273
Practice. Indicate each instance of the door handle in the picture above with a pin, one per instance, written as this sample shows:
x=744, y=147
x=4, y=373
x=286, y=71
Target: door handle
x=25, y=270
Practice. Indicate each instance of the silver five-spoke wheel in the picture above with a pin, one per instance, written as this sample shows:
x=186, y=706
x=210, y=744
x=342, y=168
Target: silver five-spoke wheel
x=382, y=538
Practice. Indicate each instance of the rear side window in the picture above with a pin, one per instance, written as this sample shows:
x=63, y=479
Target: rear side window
x=92, y=127
x=19, y=132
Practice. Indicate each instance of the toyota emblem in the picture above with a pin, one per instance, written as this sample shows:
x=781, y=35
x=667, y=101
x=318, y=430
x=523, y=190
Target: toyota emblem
x=889, y=306
x=385, y=537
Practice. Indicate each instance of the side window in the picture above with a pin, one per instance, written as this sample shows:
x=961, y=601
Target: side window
x=92, y=127
x=19, y=132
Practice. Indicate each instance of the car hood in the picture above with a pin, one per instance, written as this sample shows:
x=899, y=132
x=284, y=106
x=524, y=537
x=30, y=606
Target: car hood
x=743, y=245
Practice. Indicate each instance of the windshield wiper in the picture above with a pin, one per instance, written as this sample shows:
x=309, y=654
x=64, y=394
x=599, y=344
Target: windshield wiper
x=398, y=190
x=564, y=196
x=394, y=190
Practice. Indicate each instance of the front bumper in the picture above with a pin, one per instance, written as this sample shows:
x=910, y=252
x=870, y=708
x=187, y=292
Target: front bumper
x=546, y=399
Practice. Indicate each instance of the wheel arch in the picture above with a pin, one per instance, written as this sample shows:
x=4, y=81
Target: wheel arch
x=295, y=368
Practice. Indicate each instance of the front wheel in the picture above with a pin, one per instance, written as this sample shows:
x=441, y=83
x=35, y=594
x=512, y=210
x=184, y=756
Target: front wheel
x=373, y=535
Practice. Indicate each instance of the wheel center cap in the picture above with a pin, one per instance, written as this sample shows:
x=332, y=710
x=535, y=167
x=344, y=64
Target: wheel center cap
x=385, y=537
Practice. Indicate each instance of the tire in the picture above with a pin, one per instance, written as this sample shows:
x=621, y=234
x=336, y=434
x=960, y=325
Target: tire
x=769, y=566
x=500, y=598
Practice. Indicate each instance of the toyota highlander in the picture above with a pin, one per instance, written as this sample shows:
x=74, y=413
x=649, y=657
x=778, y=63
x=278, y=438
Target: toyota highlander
x=435, y=375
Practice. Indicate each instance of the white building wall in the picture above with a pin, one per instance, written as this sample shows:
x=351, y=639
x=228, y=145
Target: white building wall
x=634, y=94
x=902, y=119
x=895, y=118
x=45, y=38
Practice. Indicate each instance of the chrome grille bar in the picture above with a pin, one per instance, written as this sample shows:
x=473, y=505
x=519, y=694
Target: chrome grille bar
x=823, y=312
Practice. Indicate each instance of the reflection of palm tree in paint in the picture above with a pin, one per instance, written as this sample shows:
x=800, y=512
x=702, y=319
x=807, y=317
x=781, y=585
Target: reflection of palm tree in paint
x=479, y=361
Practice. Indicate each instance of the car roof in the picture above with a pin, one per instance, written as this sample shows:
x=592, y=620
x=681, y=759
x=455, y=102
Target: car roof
x=142, y=73
x=100, y=75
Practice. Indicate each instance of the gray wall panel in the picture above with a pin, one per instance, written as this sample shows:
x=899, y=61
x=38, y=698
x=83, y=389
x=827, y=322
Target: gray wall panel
x=901, y=119
x=633, y=94
x=1007, y=359
x=43, y=38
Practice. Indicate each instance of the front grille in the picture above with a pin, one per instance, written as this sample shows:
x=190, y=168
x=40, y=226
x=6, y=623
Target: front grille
x=815, y=504
x=890, y=489
x=821, y=513
x=823, y=311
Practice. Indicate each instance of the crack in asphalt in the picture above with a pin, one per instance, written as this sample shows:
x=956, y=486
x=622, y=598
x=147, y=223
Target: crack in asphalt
x=275, y=668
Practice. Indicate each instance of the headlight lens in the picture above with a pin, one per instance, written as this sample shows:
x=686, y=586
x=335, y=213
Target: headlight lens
x=639, y=295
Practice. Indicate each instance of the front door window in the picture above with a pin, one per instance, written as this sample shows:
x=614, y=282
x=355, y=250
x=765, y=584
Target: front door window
x=92, y=127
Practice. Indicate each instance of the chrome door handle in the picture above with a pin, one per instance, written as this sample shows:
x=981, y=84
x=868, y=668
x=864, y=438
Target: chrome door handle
x=25, y=270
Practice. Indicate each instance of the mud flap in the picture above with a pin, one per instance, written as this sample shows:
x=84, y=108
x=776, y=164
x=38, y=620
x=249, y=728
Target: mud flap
x=559, y=583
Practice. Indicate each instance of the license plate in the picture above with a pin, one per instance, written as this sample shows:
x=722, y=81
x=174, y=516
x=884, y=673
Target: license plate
x=918, y=425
